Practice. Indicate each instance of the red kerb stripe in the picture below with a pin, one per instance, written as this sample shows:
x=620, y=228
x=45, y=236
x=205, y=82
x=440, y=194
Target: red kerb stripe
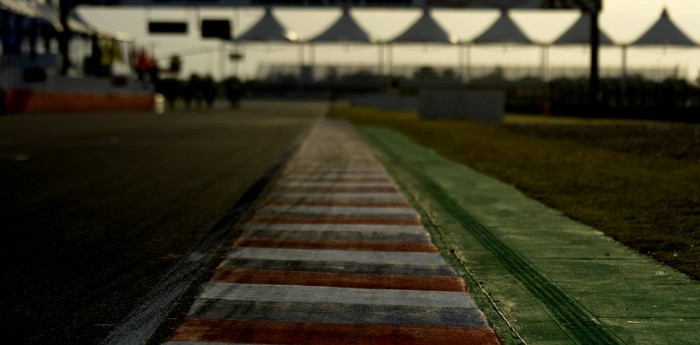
x=364, y=281
x=266, y=332
x=346, y=203
x=334, y=190
x=339, y=245
x=335, y=220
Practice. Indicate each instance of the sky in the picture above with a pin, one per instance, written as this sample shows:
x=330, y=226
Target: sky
x=622, y=20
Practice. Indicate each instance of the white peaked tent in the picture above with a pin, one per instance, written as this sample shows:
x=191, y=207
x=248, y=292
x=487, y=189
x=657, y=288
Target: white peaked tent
x=346, y=29
x=664, y=33
x=504, y=30
x=19, y=7
x=49, y=14
x=424, y=30
x=580, y=33
x=268, y=29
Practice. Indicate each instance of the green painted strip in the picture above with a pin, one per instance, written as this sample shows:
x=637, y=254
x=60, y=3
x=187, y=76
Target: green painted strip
x=580, y=325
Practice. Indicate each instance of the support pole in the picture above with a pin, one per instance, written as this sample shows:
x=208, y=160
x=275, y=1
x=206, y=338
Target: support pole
x=543, y=50
x=380, y=66
x=594, y=78
x=460, y=61
x=312, y=52
x=222, y=61
x=380, y=59
x=469, y=62
x=390, y=53
x=65, y=8
x=301, y=68
x=624, y=62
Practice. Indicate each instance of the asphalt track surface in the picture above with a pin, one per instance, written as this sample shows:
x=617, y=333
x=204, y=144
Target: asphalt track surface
x=96, y=209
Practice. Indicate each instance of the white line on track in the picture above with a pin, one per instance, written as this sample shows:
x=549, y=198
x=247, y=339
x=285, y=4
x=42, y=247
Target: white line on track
x=339, y=210
x=335, y=184
x=392, y=196
x=369, y=257
x=325, y=294
x=408, y=229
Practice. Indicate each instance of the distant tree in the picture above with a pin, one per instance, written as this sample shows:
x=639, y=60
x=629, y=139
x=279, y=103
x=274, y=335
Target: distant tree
x=425, y=73
x=449, y=74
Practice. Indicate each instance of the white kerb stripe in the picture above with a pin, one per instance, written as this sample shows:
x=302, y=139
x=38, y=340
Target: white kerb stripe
x=336, y=184
x=338, y=196
x=406, y=229
x=325, y=294
x=368, y=257
x=337, y=210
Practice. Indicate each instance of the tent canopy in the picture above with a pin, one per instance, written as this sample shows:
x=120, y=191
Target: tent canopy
x=503, y=30
x=268, y=29
x=19, y=7
x=580, y=33
x=48, y=14
x=664, y=32
x=426, y=30
x=346, y=29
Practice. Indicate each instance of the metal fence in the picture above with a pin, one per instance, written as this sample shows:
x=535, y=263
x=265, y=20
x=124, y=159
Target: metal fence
x=317, y=73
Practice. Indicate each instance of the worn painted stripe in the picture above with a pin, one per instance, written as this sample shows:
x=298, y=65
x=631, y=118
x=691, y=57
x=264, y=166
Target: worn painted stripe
x=336, y=196
x=338, y=203
x=577, y=321
x=307, y=172
x=373, y=214
x=335, y=220
x=325, y=294
x=340, y=245
x=336, y=189
x=234, y=331
x=342, y=313
x=337, y=256
x=339, y=267
x=374, y=169
x=366, y=281
x=336, y=210
x=335, y=184
x=413, y=229
x=348, y=235
x=335, y=176
x=343, y=180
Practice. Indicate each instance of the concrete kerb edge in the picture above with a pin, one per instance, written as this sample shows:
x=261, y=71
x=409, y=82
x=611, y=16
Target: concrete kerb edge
x=515, y=300
x=500, y=324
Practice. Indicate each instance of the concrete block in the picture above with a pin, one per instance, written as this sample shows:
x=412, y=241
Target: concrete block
x=475, y=105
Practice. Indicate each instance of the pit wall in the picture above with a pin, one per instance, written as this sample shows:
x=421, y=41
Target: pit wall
x=60, y=94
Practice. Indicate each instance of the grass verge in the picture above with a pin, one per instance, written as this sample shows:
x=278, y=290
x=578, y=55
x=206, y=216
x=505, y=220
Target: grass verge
x=641, y=194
